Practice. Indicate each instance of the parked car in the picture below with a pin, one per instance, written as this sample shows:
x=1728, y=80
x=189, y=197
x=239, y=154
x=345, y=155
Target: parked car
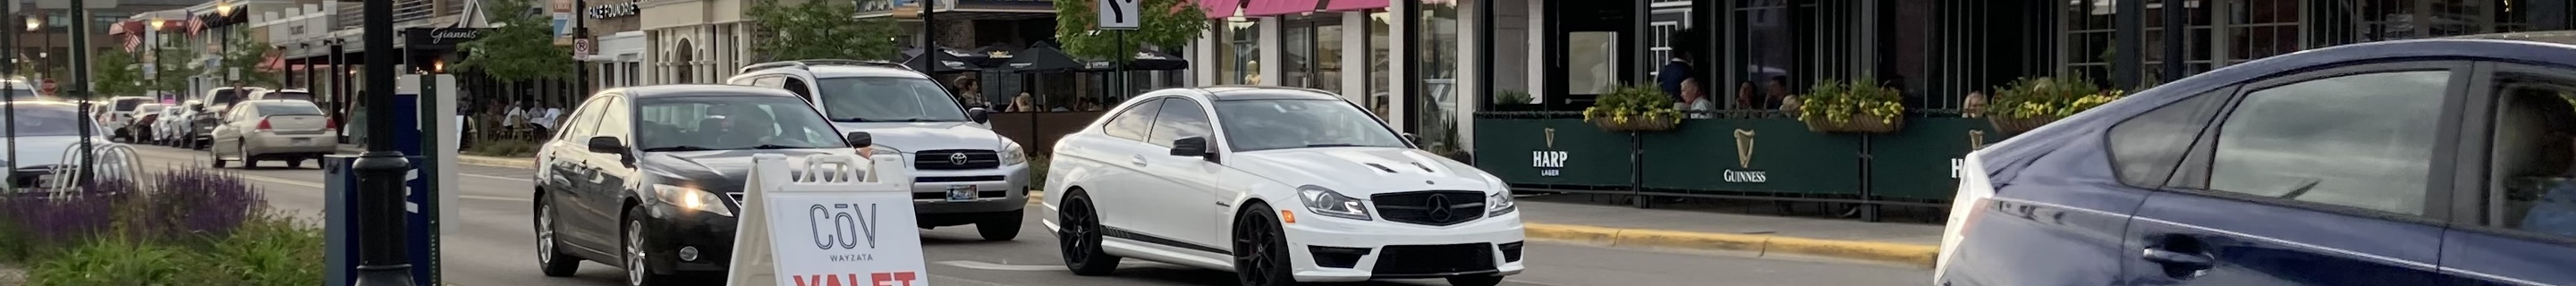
x=291, y=93
x=2418, y=162
x=651, y=177
x=115, y=111
x=45, y=131
x=218, y=102
x=969, y=175
x=138, y=128
x=1280, y=185
x=173, y=128
x=19, y=89
x=275, y=129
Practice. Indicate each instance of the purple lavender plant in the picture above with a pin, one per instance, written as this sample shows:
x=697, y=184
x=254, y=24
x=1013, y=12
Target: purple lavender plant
x=48, y=219
x=199, y=203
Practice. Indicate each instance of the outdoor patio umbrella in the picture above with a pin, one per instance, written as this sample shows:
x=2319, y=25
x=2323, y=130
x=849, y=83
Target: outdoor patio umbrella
x=1041, y=58
x=996, y=54
x=945, y=61
x=1143, y=61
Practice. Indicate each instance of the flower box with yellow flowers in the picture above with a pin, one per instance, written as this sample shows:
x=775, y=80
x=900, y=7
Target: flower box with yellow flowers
x=1860, y=106
x=2033, y=102
x=1633, y=108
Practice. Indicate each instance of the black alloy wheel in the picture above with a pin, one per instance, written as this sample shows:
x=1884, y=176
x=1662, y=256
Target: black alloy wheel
x=1077, y=236
x=1261, y=249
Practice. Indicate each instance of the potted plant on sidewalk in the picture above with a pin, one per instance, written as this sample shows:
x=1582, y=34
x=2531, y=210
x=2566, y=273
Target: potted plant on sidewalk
x=2033, y=102
x=1860, y=106
x=1633, y=108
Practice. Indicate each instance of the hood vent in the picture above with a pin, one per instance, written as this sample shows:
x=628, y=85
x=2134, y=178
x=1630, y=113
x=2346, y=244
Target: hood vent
x=1425, y=169
x=1380, y=167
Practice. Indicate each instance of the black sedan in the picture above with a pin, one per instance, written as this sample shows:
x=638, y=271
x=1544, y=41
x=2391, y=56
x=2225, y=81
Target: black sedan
x=650, y=178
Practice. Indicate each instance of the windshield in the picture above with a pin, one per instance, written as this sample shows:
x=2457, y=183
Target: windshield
x=46, y=121
x=20, y=90
x=731, y=122
x=225, y=96
x=887, y=99
x=1253, y=125
x=148, y=109
x=288, y=108
x=128, y=104
x=295, y=95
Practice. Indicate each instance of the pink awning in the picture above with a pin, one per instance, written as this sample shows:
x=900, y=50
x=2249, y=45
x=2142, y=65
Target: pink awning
x=1278, y=7
x=1355, y=5
x=1219, y=9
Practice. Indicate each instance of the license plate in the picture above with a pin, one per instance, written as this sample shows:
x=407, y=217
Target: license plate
x=961, y=193
x=302, y=141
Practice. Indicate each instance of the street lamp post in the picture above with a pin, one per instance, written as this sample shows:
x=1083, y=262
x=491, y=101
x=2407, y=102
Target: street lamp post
x=152, y=50
x=37, y=24
x=224, y=46
x=381, y=261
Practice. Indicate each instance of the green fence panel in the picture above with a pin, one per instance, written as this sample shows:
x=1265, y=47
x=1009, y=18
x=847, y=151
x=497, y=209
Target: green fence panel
x=1920, y=161
x=1551, y=151
x=1753, y=155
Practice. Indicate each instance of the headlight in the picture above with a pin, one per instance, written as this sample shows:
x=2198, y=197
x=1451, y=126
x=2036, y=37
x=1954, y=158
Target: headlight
x=1328, y=203
x=1499, y=203
x=1013, y=155
x=692, y=199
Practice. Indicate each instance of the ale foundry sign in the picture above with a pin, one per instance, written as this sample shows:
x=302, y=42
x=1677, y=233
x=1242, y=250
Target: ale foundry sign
x=629, y=8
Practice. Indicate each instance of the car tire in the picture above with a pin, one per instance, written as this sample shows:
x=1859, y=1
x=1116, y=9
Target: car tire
x=638, y=266
x=551, y=258
x=1478, y=280
x=1260, y=249
x=1000, y=226
x=217, y=159
x=1078, y=237
x=295, y=163
x=243, y=151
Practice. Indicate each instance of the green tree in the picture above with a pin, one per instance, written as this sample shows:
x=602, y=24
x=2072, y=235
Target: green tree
x=116, y=73
x=522, y=47
x=241, y=52
x=1166, y=23
x=174, y=63
x=820, y=29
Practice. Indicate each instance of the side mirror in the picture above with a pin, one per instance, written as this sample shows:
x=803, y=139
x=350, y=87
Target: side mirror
x=979, y=114
x=605, y=144
x=1190, y=147
x=860, y=139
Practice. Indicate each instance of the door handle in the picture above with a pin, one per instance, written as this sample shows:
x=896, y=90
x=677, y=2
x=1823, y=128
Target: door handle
x=1139, y=161
x=2174, y=260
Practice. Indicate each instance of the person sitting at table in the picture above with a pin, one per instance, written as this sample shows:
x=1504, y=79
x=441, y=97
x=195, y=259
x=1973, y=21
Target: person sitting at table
x=1023, y=103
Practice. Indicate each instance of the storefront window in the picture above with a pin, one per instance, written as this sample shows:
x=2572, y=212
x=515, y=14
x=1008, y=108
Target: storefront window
x=1313, y=51
x=1246, y=41
x=1297, y=52
x=1769, y=52
x=1380, y=64
x=1436, y=100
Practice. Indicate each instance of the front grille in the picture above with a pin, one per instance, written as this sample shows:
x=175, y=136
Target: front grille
x=956, y=160
x=957, y=179
x=1434, y=208
x=1403, y=260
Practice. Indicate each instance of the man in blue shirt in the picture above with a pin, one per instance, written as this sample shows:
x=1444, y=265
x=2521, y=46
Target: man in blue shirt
x=1678, y=70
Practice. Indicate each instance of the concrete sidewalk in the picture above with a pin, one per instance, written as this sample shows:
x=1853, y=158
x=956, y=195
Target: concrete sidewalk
x=1569, y=218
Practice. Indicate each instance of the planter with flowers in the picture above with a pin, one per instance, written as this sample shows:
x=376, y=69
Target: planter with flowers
x=2033, y=102
x=1862, y=106
x=1633, y=108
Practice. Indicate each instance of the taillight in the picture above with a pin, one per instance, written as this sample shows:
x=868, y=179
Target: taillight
x=331, y=124
x=263, y=124
x=1975, y=195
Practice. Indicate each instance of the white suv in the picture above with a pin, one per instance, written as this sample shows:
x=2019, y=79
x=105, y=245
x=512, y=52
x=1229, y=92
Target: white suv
x=1280, y=185
x=964, y=173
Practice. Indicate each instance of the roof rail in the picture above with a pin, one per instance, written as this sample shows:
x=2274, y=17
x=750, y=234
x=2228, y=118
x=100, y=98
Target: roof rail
x=820, y=62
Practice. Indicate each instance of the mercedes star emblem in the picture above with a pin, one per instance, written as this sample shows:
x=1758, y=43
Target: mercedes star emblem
x=1439, y=207
x=957, y=158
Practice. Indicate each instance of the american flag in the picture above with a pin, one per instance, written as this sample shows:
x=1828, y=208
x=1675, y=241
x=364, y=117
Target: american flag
x=133, y=31
x=195, y=25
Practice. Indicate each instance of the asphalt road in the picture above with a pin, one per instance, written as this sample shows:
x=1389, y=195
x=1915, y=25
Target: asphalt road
x=494, y=243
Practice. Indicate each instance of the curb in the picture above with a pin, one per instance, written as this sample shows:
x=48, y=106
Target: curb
x=1764, y=245
x=496, y=162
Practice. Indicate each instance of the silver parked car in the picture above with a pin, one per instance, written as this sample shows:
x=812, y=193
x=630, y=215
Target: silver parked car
x=276, y=129
x=45, y=131
x=172, y=127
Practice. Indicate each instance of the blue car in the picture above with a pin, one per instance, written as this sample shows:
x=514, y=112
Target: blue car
x=2421, y=162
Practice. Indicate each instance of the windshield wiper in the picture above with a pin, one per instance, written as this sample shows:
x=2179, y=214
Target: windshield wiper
x=1335, y=145
x=850, y=119
x=676, y=148
x=776, y=146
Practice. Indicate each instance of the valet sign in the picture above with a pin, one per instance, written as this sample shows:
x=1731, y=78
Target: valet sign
x=829, y=220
